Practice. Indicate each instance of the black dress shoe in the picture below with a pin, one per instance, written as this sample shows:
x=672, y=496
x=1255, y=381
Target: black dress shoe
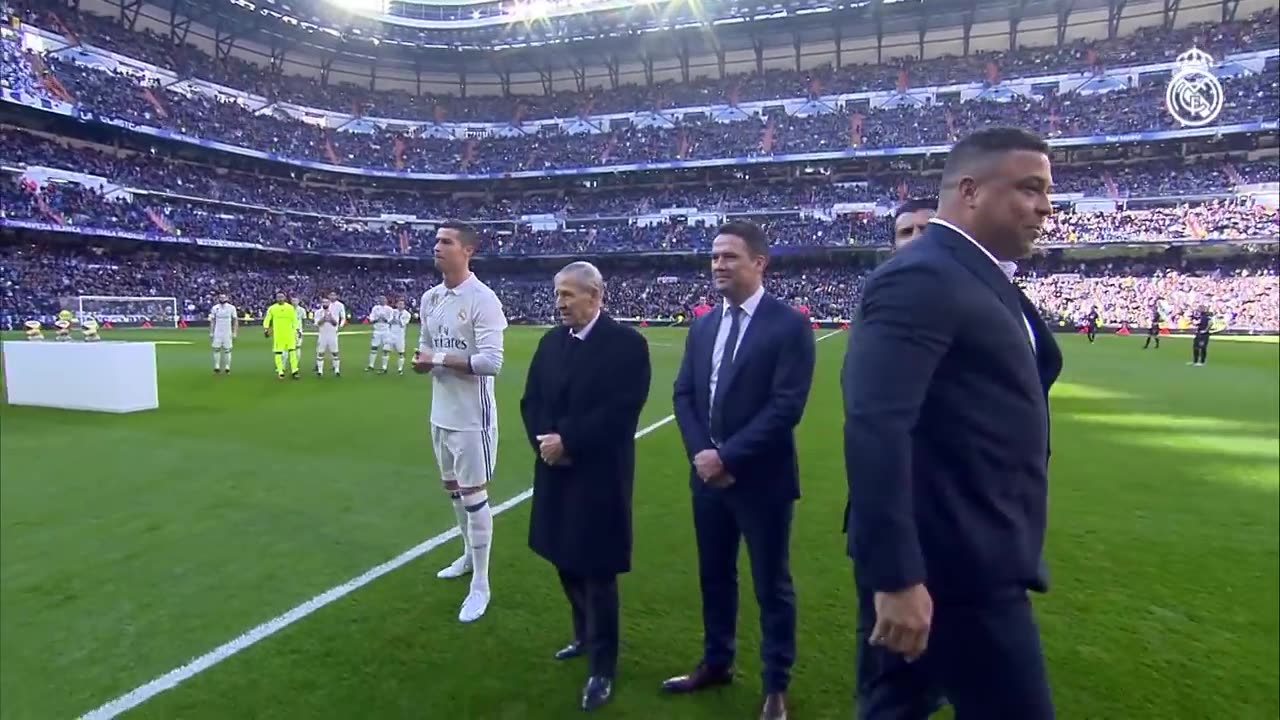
x=775, y=707
x=570, y=651
x=701, y=678
x=596, y=692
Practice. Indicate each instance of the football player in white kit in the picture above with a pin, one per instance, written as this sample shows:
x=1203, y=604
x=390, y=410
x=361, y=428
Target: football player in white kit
x=329, y=318
x=380, y=316
x=301, y=309
x=399, y=320
x=461, y=347
x=224, y=325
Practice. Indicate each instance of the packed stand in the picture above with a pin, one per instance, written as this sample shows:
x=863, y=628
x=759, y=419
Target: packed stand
x=1146, y=45
x=1245, y=295
x=113, y=95
x=36, y=281
x=1152, y=178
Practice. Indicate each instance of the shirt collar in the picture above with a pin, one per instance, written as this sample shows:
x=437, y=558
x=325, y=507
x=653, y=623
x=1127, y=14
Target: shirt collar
x=586, y=329
x=1008, y=268
x=749, y=305
x=462, y=286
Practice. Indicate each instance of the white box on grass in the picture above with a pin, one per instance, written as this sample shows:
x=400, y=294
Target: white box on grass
x=114, y=377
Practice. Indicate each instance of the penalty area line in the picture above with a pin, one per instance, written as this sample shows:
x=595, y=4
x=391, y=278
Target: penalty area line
x=253, y=636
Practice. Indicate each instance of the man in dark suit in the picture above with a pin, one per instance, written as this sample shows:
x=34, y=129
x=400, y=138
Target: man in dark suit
x=587, y=383
x=946, y=383
x=739, y=395
x=910, y=220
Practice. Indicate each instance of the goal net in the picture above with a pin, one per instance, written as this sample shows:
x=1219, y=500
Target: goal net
x=160, y=312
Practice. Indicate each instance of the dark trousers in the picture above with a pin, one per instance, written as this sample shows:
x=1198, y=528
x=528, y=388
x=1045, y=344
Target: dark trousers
x=720, y=519
x=1153, y=335
x=1200, y=348
x=1092, y=331
x=985, y=658
x=594, y=603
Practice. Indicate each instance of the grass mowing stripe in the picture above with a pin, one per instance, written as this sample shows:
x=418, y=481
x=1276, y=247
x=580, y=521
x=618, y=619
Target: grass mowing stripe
x=173, y=678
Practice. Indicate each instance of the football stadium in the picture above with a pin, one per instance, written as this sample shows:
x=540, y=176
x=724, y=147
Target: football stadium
x=184, y=535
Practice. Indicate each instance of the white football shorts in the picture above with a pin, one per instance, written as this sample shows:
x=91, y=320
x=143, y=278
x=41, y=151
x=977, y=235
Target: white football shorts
x=394, y=344
x=379, y=339
x=327, y=345
x=221, y=342
x=466, y=457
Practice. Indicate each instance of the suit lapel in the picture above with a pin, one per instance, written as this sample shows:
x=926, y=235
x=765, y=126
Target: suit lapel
x=1048, y=355
x=988, y=272
x=707, y=344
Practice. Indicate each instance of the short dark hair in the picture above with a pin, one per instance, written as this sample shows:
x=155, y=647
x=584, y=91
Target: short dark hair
x=915, y=205
x=751, y=234
x=467, y=234
x=983, y=144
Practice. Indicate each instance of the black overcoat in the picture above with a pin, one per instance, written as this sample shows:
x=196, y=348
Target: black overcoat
x=591, y=392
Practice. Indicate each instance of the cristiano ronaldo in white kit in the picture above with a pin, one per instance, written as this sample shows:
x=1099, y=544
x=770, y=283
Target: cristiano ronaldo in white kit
x=461, y=347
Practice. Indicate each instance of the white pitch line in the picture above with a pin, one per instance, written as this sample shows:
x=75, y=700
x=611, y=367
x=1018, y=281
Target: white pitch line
x=173, y=678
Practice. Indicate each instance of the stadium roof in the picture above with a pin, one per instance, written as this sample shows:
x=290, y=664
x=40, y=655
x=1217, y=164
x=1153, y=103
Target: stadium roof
x=596, y=32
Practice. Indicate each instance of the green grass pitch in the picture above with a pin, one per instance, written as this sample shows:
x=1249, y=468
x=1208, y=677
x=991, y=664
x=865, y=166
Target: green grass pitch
x=131, y=544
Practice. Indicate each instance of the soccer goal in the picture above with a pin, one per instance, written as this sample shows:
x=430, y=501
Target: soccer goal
x=159, y=312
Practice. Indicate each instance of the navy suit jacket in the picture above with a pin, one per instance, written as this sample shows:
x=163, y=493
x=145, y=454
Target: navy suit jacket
x=947, y=425
x=765, y=395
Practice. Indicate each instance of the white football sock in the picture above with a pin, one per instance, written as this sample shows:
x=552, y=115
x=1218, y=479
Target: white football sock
x=480, y=534
x=319, y=364
x=400, y=364
x=386, y=359
x=337, y=365
x=226, y=361
x=460, y=512
x=217, y=359
x=373, y=357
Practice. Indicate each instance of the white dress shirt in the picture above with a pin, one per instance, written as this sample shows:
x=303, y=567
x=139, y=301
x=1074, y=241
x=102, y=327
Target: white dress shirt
x=722, y=337
x=1006, y=269
x=586, y=329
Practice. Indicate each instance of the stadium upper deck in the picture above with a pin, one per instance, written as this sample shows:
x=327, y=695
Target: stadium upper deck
x=339, y=87
x=1118, y=106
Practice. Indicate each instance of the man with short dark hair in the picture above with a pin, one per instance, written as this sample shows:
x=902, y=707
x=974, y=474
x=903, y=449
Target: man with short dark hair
x=740, y=392
x=461, y=346
x=911, y=218
x=946, y=381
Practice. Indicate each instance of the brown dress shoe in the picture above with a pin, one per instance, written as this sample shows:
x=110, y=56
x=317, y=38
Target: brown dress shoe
x=701, y=678
x=775, y=707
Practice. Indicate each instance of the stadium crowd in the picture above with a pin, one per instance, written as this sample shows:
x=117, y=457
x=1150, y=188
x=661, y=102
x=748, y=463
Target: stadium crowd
x=36, y=281
x=181, y=220
x=112, y=95
x=1146, y=45
x=1151, y=178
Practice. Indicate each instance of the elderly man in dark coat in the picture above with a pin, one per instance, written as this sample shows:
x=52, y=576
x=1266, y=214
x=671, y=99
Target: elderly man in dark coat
x=587, y=383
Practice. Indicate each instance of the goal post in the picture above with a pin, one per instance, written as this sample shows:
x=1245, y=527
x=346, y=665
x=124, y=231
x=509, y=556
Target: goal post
x=124, y=311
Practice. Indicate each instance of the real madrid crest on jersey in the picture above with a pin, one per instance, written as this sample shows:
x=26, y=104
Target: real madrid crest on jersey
x=462, y=316
x=1195, y=95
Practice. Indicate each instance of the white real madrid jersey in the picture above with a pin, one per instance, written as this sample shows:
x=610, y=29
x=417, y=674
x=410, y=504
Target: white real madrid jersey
x=466, y=320
x=221, y=316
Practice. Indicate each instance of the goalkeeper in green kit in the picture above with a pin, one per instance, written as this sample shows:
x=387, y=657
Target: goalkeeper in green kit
x=281, y=324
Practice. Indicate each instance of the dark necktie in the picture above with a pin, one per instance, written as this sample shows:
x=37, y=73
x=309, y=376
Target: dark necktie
x=725, y=372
